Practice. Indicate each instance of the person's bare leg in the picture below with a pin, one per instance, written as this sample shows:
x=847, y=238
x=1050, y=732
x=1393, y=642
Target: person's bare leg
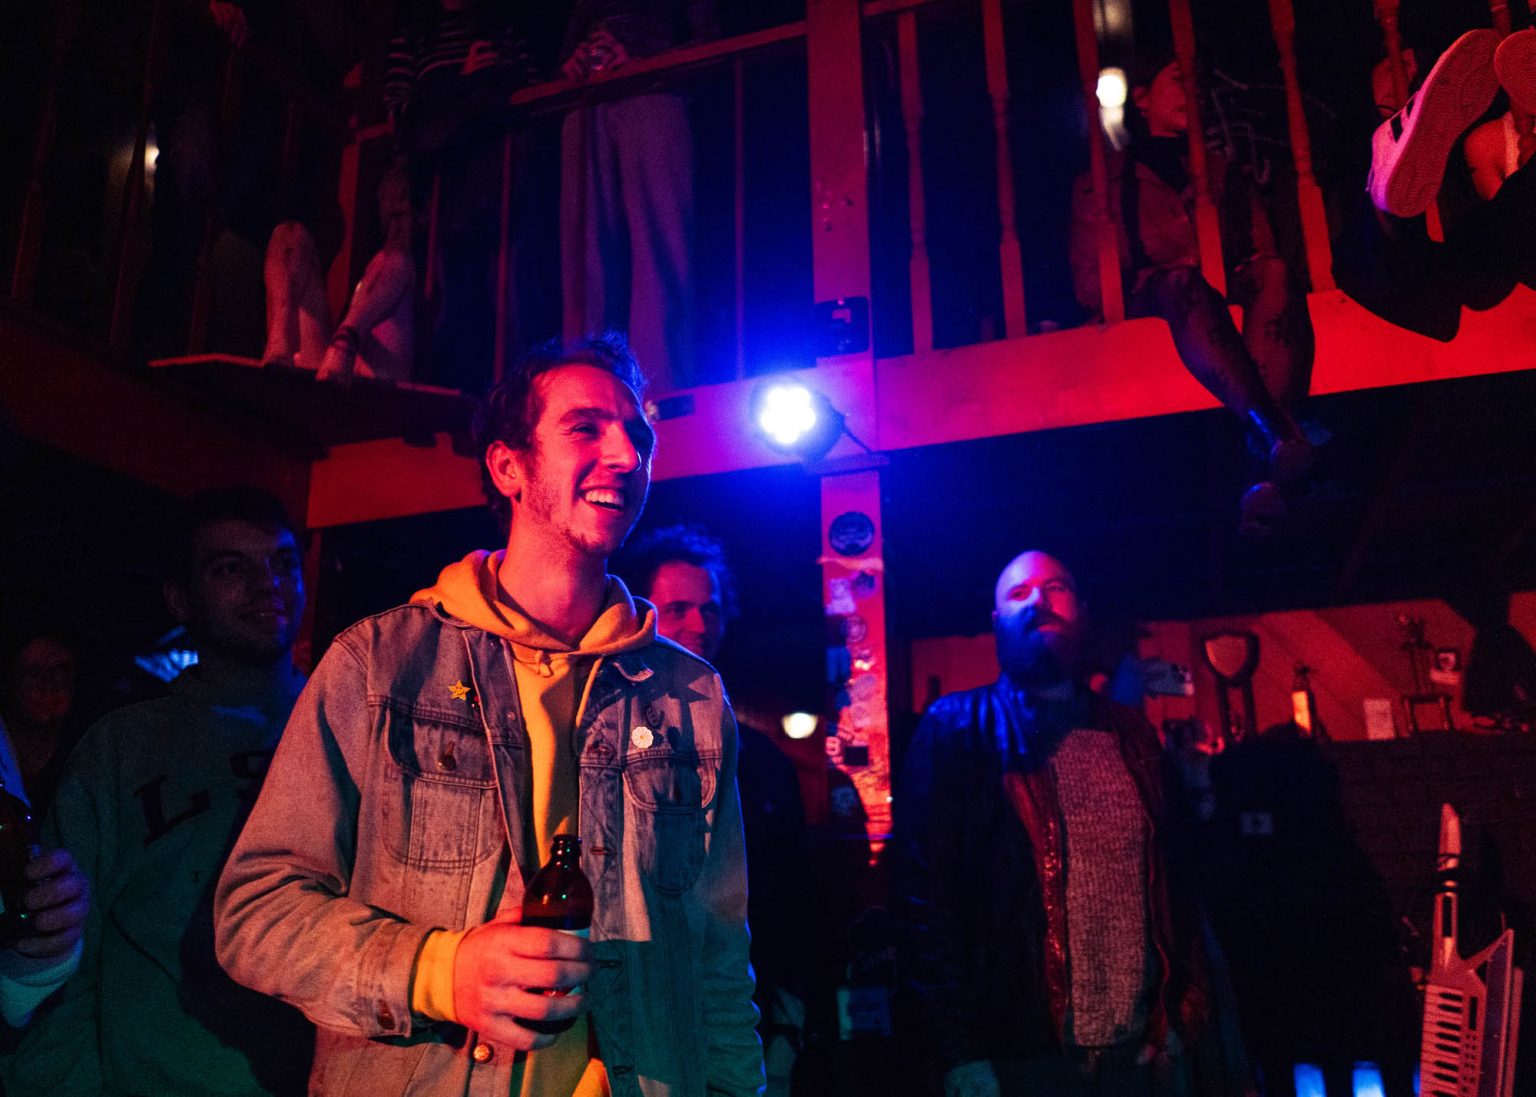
x=379, y=323
x=377, y=336
x=1215, y=355
x=298, y=319
x=1277, y=328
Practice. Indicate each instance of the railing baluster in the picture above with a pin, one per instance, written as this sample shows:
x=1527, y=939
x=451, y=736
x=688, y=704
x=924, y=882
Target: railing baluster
x=1386, y=16
x=338, y=280
x=919, y=277
x=430, y=286
x=1392, y=35
x=1008, y=242
x=1309, y=197
x=34, y=209
x=293, y=144
x=126, y=278
x=1111, y=290
x=739, y=170
x=202, y=281
x=1207, y=224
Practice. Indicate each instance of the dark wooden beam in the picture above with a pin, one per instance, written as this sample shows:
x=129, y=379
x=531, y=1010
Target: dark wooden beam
x=73, y=396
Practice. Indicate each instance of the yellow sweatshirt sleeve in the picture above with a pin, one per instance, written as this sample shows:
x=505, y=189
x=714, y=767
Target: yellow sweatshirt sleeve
x=432, y=981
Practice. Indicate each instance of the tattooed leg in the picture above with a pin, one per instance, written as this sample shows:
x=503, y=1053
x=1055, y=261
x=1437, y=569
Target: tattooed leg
x=1276, y=328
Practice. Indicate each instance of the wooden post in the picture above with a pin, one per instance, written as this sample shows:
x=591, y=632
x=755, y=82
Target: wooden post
x=840, y=255
x=1008, y=241
x=1111, y=289
x=839, y=171
x=1309, y=197
x=1207, y=224
x=919, y=278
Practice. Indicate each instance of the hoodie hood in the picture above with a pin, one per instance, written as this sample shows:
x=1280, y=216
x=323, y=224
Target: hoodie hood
x=468, y=590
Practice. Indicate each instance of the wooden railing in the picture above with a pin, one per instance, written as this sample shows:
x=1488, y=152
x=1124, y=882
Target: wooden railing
x=531, y=104
x=125, y=265
x=122, y=257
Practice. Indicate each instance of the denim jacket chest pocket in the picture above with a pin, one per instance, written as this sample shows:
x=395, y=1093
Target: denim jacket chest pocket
x=672, y=792
x=441, y=812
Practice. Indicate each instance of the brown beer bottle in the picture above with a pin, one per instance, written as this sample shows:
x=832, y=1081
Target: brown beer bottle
x=18, y=845
x=558, y=897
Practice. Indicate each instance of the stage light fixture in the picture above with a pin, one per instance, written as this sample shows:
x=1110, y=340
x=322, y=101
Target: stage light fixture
x=794, y=418
x=799, y=725
x=1112, y=88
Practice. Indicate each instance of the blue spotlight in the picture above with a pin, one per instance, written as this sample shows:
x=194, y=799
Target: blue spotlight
x=795, y=419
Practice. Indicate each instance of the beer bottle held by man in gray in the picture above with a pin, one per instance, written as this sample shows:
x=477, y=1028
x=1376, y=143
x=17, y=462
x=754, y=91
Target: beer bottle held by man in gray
x=18, y=845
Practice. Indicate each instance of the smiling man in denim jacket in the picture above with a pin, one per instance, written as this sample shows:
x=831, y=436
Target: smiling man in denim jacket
x=440, y=747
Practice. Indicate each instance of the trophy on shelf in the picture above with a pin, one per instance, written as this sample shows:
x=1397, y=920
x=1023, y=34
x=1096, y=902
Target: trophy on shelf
x=1233, y=657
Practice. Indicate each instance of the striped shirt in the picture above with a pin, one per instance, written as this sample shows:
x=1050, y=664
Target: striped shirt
x=434, y=54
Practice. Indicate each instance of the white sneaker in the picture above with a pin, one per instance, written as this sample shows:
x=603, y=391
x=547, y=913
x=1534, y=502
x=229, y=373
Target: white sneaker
x=1410, y=149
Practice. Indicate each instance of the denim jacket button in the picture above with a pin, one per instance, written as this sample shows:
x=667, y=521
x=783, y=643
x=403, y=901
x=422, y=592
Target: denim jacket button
x=446, y=761
x=483, y=1053
x=385, y=1018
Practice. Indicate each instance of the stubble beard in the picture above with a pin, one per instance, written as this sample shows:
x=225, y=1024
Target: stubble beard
x=540, y=499
x=1032, y=657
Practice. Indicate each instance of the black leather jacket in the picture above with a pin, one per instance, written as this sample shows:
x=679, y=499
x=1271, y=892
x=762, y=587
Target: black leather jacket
x=979, y=885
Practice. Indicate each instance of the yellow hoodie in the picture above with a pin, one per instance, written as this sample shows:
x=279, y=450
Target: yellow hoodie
x=553, y=681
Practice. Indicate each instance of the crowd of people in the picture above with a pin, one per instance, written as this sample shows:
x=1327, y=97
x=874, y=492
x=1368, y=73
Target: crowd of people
x=261, y=881
x=258, y=881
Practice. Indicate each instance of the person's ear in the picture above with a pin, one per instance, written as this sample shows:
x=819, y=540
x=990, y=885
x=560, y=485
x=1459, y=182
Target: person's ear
x=506, y=469
x=177, y=600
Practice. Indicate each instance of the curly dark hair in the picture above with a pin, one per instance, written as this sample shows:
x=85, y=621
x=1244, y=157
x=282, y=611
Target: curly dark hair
x=691, y=544
x=510, y=408
x=240, y=503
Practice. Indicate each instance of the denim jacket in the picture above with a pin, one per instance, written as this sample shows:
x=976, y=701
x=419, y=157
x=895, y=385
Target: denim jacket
x=390, y=810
